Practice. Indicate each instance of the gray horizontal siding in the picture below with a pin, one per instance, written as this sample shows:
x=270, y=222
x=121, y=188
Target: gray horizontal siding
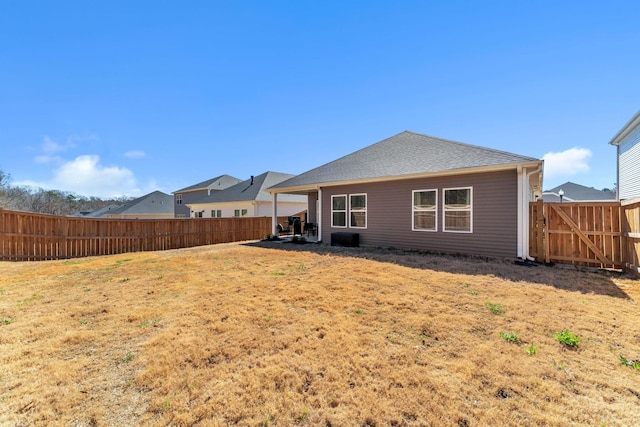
x=389, y=211
x=629, y=166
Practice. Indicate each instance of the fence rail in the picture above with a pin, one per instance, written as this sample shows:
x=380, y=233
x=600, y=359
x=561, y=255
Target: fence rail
x=596, y=234
x=28, y=236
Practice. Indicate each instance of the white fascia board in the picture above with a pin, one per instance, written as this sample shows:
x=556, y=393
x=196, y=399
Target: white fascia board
x=626, y=129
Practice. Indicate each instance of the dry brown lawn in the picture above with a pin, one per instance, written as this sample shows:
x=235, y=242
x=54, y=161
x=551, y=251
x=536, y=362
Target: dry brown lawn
x=280, y=335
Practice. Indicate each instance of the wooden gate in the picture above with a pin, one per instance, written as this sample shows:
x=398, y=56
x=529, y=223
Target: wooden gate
x=578, y=233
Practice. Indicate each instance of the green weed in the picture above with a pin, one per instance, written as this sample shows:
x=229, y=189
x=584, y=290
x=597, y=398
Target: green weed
x=304, y=415
x=635, y=364
x=510, y=337
x=6, y=321
x=531, y=349
x=127, y=358
x=494, y=308
x=567, y=338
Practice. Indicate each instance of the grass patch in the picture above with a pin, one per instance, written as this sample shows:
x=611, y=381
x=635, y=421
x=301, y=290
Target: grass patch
x=346, y=337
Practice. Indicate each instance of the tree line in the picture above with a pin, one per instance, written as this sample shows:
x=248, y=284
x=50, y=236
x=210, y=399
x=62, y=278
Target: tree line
x=55, y=202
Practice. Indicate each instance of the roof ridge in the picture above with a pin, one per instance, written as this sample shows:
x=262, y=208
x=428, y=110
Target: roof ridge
x=467, y=144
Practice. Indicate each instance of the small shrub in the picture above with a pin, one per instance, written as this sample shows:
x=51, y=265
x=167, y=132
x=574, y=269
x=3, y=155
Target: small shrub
x=271, y=237
x=510, y=337
x=567, y=338
x=495, y=308
x=635, y=364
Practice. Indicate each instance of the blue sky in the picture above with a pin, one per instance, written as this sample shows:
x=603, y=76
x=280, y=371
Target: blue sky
x=125, y=97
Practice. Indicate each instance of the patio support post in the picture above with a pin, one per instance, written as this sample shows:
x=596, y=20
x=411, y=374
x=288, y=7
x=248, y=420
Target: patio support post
x=274, y=217
x=319, y=214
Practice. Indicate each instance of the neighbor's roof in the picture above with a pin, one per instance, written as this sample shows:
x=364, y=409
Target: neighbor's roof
x=406, y=153
x=576, y=192
x=153, y=203
x=245, y=191
x=626, y=129
x=98, y=212
x=219, y=182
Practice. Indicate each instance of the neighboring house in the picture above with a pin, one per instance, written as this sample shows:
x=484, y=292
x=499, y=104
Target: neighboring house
x=572, y=192
x=98, y=213
x=156, y=205
x=197, y=191
x=627, y=142
x=419, y=192
x=247, y=198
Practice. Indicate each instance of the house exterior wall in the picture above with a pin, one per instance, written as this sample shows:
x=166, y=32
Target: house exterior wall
x=629, y=166
x=182, y=210
x=254, y=209
x=389, y=214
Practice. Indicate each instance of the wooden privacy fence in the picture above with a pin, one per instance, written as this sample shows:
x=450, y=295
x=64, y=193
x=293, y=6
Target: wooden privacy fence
x=596, y=234
x=30, y=237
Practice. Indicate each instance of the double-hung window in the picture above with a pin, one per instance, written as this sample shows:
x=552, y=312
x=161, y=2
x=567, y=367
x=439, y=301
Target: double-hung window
x=458, y=212
x=425, y=210
x=216, y=213
x=339, y=211
x=178, y=199
x=358, y=210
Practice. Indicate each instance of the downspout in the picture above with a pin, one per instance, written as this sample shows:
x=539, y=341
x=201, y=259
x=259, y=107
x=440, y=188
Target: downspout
x=520, y=214
x=526, y=210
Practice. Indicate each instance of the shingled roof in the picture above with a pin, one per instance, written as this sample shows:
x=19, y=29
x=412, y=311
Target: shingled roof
x=218, y=183
x=156, y=202
x=406, y=153
x=577, y=192
x=253, y=189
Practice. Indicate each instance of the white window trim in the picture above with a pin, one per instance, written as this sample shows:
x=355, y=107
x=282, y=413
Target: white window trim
x=413, y=211
x=470, y=210
x=365, y=210
x=346, y=210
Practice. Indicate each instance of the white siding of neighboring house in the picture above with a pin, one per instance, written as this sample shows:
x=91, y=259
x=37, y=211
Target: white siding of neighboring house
x=629, y=166
x=254, y=209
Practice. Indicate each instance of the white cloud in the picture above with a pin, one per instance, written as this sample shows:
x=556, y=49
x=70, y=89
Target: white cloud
x=135, y=154
x=566, y=163
x=50, y=149
x=87, y=177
